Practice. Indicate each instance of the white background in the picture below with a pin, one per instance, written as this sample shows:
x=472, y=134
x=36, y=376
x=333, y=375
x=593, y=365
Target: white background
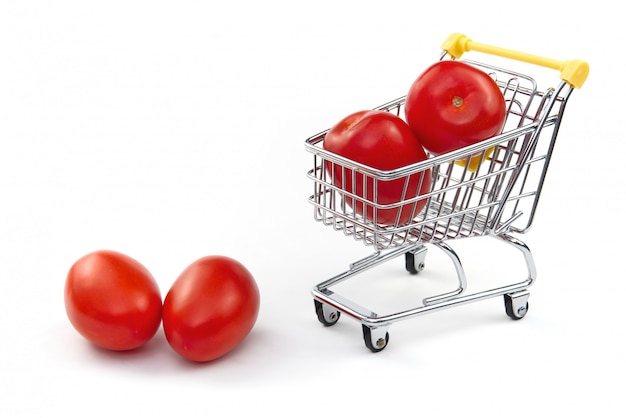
x=173, y=130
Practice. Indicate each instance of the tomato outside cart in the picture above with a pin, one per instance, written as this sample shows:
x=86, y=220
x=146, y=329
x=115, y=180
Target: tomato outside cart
x=496, y=199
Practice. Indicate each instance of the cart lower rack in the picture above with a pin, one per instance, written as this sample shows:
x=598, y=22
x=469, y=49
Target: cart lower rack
x=498, y=199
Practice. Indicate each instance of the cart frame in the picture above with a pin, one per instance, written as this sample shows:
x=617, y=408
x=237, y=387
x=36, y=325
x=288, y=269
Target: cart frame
x=496, y=199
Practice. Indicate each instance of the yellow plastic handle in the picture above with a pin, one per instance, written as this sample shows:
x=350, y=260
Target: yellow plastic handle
x=574, y=72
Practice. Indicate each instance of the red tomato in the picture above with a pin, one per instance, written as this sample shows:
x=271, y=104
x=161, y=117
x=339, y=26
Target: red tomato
x=210, y=308
x=112, y=300
x=383, y=141
x=452, y=105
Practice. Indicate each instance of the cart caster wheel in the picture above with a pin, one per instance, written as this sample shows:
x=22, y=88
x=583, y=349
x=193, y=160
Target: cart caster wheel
x=375, y=339
x=414, y=260
x=325, y=314
x=516, y=305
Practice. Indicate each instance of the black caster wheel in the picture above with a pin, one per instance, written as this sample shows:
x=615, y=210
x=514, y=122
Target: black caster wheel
x=325, y=314
x=516, y=307
x=414, y=260
x=375, y=343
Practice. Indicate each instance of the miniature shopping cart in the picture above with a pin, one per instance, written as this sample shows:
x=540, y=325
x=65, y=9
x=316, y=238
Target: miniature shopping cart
x=497, y=199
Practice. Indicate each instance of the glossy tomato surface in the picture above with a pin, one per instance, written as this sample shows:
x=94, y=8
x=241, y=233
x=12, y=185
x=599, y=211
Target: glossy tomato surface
x=383, y=141
x=211, y=307
x=112, y=300
x=452, y=105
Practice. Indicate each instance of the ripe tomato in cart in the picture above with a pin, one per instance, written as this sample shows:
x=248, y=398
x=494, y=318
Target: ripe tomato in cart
x=452, y=105
x=383, y=141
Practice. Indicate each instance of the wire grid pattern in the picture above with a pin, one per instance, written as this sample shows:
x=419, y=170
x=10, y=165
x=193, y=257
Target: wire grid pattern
x=499, y=196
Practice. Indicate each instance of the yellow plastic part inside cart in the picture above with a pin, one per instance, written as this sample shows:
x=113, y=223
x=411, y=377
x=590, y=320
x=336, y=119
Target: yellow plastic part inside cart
x=476, y=160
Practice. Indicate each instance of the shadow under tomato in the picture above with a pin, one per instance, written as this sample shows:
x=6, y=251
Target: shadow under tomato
x=247, y=351
x=146, y=351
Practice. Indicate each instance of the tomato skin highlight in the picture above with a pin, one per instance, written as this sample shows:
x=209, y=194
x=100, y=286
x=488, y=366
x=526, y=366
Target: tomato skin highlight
x=452, y=105
x=210, y=308
x=112, y=300
x=382, y=141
